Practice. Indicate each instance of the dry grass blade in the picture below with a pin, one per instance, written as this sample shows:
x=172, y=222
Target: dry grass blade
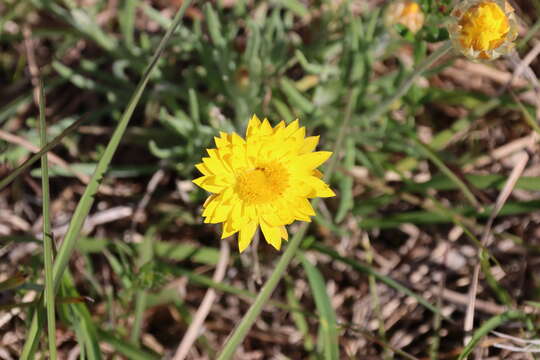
x=521, y=162
x=529, y=346
x=206, y=304
x=524, y=64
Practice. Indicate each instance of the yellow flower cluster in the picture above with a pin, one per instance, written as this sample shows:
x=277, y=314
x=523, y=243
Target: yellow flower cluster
x=483, y=29
x=264, y=180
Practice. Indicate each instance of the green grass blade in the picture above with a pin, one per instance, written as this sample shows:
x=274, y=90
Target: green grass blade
x=78, y=314
x=47, y=236
x=488, y=326
x=87, y=199
x=327, y=315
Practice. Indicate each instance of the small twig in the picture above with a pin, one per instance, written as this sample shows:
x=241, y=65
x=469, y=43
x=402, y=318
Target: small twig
x=150, y=188
x=206, y=304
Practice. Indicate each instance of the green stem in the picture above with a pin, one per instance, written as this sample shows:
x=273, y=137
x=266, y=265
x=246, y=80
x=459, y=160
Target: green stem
x=47, y=236
x=241, y=330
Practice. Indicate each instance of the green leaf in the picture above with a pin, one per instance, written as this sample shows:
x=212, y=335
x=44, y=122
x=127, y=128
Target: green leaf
x=327, y=316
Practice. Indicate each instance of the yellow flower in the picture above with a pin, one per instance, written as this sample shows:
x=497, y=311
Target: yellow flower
x=264, y=180
x=406, y=13
x=483, y=29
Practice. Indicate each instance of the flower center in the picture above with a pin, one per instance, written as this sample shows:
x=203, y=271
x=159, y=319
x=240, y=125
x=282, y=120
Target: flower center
x=483, y=26
x=262, y=184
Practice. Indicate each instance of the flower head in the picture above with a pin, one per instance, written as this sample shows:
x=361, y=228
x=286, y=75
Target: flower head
x=483, y=29
x=406, y=13
x=263, y=180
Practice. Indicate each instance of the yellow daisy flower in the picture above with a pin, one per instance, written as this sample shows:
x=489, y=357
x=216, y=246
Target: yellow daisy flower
x=263, y=180
x=407, y=13
x=483, y=29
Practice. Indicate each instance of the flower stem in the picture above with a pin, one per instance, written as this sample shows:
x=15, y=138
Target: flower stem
x=241, y=330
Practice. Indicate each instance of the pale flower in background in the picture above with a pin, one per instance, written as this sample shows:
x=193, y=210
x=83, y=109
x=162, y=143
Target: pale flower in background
x=406, y=13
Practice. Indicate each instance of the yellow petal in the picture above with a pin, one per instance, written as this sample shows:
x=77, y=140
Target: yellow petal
x=215, y=165
x=279, y=126
x=271, y=218
x=320, y=188
x=210, y=205
x=284, y=233
x=246, y=235
x=221, y=214
x=292, y=127
x=228, y=230
x=305, y=207
x=272, y=234
x=203, y=169
x=238, y=216
x=266, y=128
x=211, y=183
x=310, y=143
x=237, y=140
x=311, y=160
x=253, y=126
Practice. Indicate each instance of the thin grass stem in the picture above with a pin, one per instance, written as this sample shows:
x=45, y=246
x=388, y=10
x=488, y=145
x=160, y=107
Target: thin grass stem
x=47, y=236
